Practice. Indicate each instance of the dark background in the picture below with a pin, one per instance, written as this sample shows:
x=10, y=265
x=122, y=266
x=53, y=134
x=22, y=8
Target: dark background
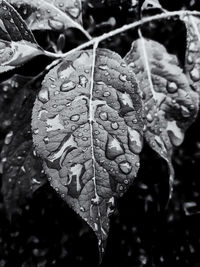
x=143, y=232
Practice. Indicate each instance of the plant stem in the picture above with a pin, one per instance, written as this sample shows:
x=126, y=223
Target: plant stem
x=123, y=29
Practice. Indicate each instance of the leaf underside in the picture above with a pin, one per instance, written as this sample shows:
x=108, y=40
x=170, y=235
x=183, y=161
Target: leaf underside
x=87, y=127
x=50, y=14
x=17, y=43
x=22, y=170
x=170, y=105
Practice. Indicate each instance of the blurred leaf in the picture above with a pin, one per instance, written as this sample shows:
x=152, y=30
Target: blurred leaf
x=9, y=99
x=170, y=105
x=17, y=43
x=56, y=15
x=87, y=127
x=22, y=170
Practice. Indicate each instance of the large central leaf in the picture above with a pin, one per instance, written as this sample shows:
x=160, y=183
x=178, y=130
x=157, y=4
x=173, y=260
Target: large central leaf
x=87, y=126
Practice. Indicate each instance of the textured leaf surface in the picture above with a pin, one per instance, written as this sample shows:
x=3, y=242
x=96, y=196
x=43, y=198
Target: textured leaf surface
x=170, y=105
x=87, y=126
x=192, y=58
x=50, y=14
x=22, y=170
x=17, y=43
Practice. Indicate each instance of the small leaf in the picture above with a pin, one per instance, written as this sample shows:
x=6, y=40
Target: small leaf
x=170, y=105
x=87, y=126
x=17, y=43
x=56, y=15
x=192, y=62
x=22, y=170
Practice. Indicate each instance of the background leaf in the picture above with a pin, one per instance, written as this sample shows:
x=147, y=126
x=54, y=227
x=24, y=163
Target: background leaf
x=22, y=170
x=57, y=15
x=87, y=127
x=192, y=57
x=170, y=105
x=17, y=43
x=9, y=100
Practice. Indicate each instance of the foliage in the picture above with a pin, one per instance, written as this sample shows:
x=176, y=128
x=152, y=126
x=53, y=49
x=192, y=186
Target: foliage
x=93, y=110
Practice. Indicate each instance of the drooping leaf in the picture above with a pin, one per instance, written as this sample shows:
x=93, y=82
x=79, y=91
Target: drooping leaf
x=22, y=170
x=10, y=98
x=192, y=58
x=170, y=105
x=87, y=127
x=17, y=43
x=57, y=15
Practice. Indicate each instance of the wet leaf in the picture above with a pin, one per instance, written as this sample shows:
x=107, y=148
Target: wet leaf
x=87, y=127
x=10, y=98
x=22, y=170
x=56, y=15
x=192, y=58
x=170, y=105
x=17, y=43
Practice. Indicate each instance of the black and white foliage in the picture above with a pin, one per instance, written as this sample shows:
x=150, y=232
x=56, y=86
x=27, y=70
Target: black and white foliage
x=84, y=129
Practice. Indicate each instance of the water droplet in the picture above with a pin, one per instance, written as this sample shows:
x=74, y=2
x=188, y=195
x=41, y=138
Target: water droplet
x=189, y=59
x=121, y=188
x=67, y=86
x=84, y=138
x=106, y=94
x=185, y=112
x=46, y=140
x=74, y=12
x=82, y=209
x=38, y=15
x=96, y=132
x=125, y=167
x=134, y=121
x=83, y=80
x=75, y=117
x=8, y=138
x=36, y=131
x=192, y=47
x=172, y=87
x=35, y=181
x=137, y=164
x=103, y=67
x=195, y=75
x=134, y=141
x=113, y=148
x=56, y=25
x=103, y=116
x=149, y=117
x=114, y=125
x=51, y=79
x=123, y=77
x=126, y=181
x=43, y=95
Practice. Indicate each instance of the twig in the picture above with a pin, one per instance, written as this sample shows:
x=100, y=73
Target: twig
x=123, y=29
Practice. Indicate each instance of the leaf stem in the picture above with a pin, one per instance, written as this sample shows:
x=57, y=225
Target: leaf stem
x=123, y=29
